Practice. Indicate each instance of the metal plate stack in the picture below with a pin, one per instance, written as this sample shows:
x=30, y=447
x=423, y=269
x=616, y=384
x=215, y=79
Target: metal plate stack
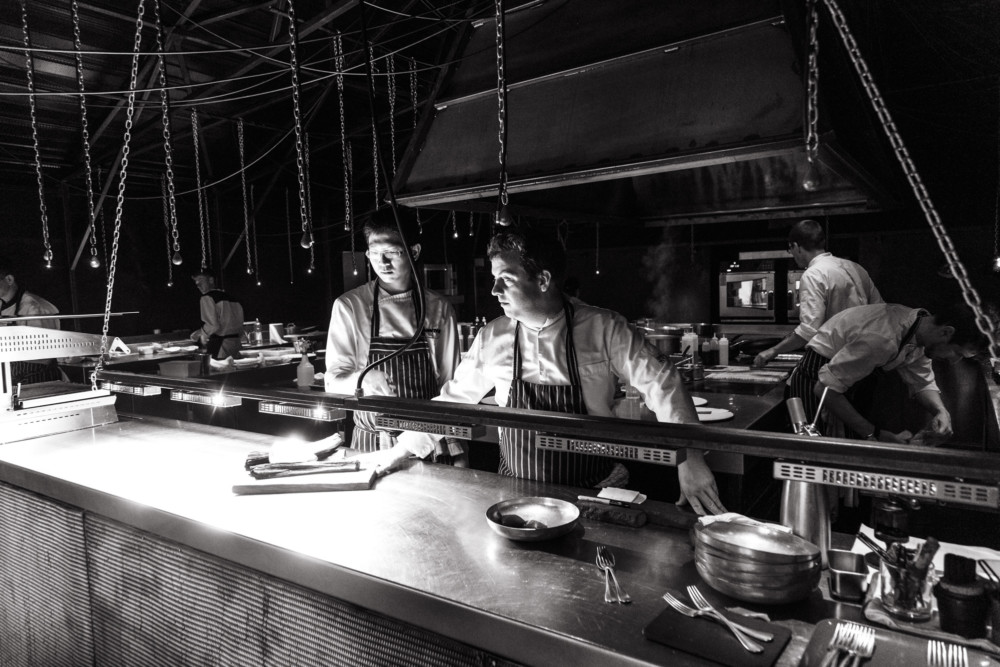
x=756, y=562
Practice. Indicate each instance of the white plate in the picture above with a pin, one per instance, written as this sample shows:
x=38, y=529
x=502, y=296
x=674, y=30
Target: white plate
x=171, y=348
x=189, y=348
x=698, y=400
x=714, y=414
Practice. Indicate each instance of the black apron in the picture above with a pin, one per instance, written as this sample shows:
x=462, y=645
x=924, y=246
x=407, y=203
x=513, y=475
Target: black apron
x=806, y=373
x=410, y=372
x=519, y=457
x=214, y=346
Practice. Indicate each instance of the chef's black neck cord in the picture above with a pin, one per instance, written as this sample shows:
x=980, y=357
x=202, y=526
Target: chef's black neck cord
x=417, y=286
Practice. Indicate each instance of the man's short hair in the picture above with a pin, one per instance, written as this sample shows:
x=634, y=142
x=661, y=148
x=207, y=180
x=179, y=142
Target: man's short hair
x=808, y=234
x=204, y=271
x=6, y=267
x=383, y=221
x=537, y=251
x=961, y=317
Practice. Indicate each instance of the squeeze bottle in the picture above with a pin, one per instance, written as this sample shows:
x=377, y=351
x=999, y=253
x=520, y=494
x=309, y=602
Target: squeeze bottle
x=723, y=351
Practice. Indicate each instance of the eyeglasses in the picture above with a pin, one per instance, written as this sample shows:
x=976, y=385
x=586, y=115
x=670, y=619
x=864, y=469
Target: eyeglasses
x=391, y=255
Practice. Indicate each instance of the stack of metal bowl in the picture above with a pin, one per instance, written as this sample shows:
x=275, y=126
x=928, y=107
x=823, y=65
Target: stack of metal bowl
x=756, y=562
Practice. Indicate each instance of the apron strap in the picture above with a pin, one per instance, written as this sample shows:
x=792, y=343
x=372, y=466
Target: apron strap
x=572, y=366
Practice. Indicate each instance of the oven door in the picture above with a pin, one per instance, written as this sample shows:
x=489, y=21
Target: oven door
x=746, y=295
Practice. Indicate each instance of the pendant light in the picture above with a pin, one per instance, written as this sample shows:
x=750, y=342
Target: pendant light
x=502, y=218
x=811, y=180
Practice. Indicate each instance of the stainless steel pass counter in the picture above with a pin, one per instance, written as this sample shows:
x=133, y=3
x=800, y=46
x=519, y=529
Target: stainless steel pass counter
x=173, y=563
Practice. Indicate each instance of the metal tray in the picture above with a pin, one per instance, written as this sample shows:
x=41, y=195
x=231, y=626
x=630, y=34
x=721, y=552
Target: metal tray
x=533, y=518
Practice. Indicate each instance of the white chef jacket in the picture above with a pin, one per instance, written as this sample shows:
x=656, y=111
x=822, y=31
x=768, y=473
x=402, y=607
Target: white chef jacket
x=859, y=340
x=349, y=334
x=26, y=304
x=831, y=285
x=606, y=347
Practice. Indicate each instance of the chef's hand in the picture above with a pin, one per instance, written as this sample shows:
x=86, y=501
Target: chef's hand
x=902, y=437
x=383, y=461
x=376, y=383
x=698, y=486
x=941, y=424
x=761, y=359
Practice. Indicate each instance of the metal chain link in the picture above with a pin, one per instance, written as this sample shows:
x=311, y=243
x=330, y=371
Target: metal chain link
x=472, y=222
x=413, y=101
x=501, y=100
x=309, y=210
x=95, y=261
x=812, y=85
x=168, y=151
x=597, y=248
x=243, y=183
x=29, y=65
x=392, y=109
x=202, y=226
x=100, y=215
x=288, y=226
x=338, y=59
x=293, y=48
x=378, y=202
x=350, y=171
x=253, y=228
x=120, y=200
x=166, y=229
x=969, y=293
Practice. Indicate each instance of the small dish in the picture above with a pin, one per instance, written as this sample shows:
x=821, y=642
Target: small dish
x=145, y=349
x=188, y=348
x=170, y=348
x=532, y=519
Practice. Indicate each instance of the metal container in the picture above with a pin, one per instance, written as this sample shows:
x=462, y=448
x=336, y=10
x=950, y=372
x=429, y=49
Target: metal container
x=665, y=343
x=848, y=575
x=806, y=510
x=532, y=519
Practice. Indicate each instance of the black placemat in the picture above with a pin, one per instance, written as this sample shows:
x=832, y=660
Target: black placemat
x=710, y=639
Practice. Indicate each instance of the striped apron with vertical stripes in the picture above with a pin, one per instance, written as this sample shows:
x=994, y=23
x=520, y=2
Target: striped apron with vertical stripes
x=806, y=374
x=519, y=457
x=410, y=373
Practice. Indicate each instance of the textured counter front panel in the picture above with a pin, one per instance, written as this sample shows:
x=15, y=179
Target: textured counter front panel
x=44, y=610
x=159, y=603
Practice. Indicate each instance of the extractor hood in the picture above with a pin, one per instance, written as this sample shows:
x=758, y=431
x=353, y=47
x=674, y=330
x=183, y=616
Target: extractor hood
x=650, y=111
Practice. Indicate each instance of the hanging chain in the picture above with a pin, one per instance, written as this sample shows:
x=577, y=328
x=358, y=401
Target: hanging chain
x=996, y=208
x=253, y=228
x=29, y=65
x=166, y=230
x=413, y=101
x=501, y=101
x=120, y=200
x=378, y=202
x=350, y=189
x=100, y=215
x=597, y=248
x=309, y=209
x=338, y=59
x=167, y=149
x=452, y=218
x=472, y=222
x=243, y=182
x=293, y=48
x=202, y=226
x=288, y=224
x=392, y=109
x=812, y=85
x=969, y=292
x=95, y=262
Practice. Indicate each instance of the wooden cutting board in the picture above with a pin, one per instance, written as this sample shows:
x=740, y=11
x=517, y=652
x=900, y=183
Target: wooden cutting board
x=360, y=480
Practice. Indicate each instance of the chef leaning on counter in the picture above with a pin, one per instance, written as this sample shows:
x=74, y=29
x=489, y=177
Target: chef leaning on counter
x=15, y=301
x=372, y=321
x=550, y=353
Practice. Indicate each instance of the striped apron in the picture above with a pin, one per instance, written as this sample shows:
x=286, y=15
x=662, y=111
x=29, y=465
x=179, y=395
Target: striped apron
x=806, y=374
x=410, y=373
x=519, y=457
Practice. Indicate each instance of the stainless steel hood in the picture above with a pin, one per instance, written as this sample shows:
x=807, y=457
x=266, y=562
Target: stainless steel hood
x=644, y=110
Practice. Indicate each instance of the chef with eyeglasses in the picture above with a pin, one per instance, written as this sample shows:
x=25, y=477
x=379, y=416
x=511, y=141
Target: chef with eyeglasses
x=370, y=322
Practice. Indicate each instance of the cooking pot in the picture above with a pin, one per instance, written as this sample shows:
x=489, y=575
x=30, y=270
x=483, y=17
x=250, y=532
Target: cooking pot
x=665, y=343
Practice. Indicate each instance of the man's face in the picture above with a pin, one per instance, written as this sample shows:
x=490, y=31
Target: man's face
x=950, y=352
x=798, y=255
x=387, y=255
x=8, y=287
x=519, y=294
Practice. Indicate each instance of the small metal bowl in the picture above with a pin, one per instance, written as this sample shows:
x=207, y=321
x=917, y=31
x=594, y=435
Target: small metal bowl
x=532, y=519
x=848, y=575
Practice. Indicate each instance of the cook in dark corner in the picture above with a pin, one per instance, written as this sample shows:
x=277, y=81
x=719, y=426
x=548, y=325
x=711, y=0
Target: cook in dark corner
x=550, y=353
x=221, y=316
x=372, y=321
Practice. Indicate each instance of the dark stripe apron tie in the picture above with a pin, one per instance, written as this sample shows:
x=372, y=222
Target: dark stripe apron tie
x=519, y=457
x=410, y=373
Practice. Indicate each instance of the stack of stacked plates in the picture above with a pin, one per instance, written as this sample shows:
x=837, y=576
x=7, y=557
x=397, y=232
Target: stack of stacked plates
x=756, y=562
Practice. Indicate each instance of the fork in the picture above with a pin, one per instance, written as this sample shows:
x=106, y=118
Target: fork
x=940, y=654
x=679, y=606
x=703, y=605
x=606, y=561
x=609, y=595
x=748, y=643
x=862, y=644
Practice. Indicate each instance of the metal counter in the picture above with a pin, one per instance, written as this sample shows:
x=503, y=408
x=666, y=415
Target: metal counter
x=416, y=547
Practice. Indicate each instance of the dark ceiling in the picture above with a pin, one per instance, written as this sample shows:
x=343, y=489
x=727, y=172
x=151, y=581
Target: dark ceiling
x=936, y=63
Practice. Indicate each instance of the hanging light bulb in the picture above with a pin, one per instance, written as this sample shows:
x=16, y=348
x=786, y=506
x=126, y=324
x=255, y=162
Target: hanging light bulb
x=810, y=183
x=996, y=264
x=503, y=217
x=249, y=271
x=95, y=263
x=170, y=283
x=47, y=256
x=176, y=259
x=307, y=240
x=258, y=283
